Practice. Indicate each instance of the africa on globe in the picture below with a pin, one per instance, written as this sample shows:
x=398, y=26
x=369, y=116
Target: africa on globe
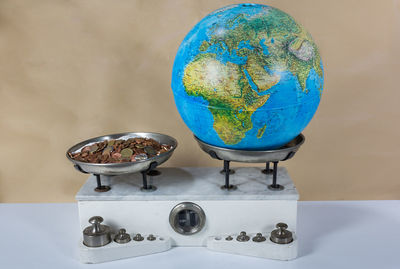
x=247, y=76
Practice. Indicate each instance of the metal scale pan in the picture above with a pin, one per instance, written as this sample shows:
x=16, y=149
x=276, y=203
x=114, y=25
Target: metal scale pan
x=283, y=153
x=114, y=169
x=253, y=156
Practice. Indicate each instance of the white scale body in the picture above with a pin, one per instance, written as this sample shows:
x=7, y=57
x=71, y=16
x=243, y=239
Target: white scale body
x=252, y=207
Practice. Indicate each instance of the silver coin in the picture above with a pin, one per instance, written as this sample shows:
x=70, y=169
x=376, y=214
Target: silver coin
x=141, y=157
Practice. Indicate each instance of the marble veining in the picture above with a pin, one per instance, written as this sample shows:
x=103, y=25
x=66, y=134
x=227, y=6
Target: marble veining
x=192, y=183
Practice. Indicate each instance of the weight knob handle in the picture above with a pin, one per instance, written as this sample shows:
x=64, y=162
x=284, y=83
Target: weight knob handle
x=95, y=221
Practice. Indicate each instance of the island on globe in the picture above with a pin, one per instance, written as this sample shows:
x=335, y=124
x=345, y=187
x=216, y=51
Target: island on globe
x=247, y=76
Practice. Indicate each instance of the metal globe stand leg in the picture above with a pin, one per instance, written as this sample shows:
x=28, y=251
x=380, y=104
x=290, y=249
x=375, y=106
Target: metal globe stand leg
x=267, y=169
x=224, y=169
x=274, y=186
x=227, y=172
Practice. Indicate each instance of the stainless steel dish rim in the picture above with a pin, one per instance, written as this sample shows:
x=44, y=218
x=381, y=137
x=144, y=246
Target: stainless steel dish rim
x=90, y=140
x=257, y=151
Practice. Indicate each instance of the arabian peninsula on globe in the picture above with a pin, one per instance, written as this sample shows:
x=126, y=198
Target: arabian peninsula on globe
x=247, y=76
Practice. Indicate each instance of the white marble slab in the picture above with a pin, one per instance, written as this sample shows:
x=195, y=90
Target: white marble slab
x=192, y=183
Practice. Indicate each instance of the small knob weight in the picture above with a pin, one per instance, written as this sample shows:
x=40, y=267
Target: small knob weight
x=138, y=237
x=151, y=237
x=243, y=237
x=259, y=238
x=122, y=237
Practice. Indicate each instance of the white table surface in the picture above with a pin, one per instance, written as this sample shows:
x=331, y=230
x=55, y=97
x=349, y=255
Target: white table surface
x=340, y=234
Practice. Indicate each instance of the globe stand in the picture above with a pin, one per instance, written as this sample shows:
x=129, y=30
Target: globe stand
x=283, y=153
x=229, y=187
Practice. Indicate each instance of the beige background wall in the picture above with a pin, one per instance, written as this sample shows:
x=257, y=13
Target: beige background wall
x=71, y=70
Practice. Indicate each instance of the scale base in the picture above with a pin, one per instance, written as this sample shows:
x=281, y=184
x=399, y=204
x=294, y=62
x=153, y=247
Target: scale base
x=251, y=207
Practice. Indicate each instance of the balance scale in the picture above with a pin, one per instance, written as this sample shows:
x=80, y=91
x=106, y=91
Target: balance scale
x=244, y=210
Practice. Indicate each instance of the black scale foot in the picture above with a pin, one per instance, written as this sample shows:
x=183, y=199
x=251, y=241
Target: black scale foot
x=275, y=186
x=146, y=187
x=267, y=169
x=101, y=188
x=227, y=172
x=151, y=172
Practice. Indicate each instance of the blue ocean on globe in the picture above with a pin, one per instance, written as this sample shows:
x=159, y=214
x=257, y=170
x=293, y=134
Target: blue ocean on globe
x=247, y=76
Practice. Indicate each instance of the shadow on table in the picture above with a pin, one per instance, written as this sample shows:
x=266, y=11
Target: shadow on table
x=319, y=219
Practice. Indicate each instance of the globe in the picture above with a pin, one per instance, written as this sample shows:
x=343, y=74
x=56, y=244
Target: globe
x=248, y=77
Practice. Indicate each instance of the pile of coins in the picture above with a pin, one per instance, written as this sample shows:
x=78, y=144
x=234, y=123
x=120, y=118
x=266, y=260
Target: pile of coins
x=120, y=151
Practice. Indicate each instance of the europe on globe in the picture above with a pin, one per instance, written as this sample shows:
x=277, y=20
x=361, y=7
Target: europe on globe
x=247, y=76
